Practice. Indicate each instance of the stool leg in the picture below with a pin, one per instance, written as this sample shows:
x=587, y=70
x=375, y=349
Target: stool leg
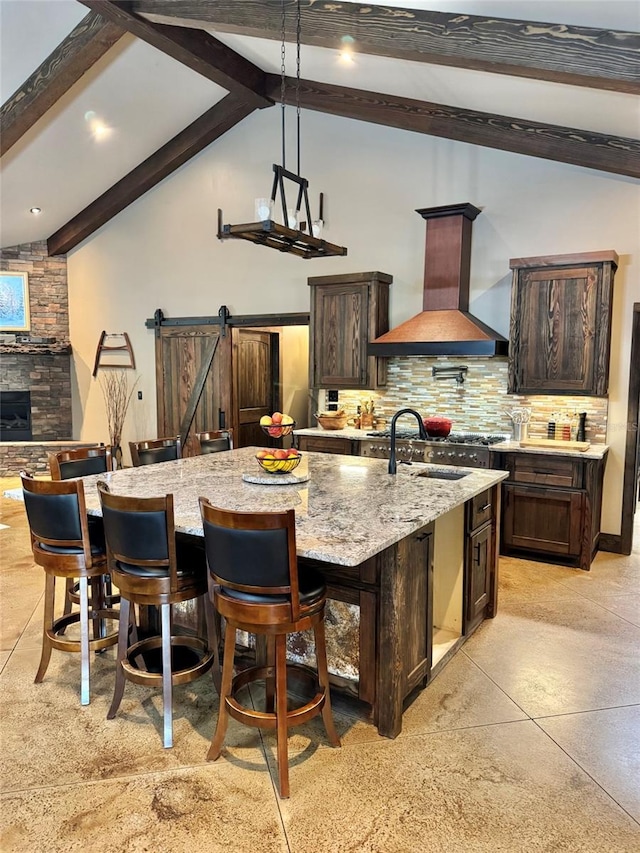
x=123, y=642
x=323, y=678
x=167, y=682
x=281, y=715
x=84, y=641
x=225, y=690
x=68, y=589
x=213, y=640
x=270, y=684
x=49, y=600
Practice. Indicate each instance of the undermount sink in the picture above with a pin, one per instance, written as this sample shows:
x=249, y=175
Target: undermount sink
x=444, y=475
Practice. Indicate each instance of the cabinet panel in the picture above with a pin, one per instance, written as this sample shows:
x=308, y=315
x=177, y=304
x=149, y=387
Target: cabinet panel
x=561, y=324
x=541, y=470
x=543, y=520
x=319, y=444
x=347, y=311
x=479, y=569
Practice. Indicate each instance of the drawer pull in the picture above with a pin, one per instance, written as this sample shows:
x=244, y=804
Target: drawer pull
x=484, y=508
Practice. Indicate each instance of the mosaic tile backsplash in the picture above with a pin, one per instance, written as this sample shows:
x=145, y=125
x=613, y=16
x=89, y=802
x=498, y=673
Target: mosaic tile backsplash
x=478, y=405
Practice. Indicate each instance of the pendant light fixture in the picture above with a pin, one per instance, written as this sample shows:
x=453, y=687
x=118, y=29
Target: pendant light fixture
x=294, y=236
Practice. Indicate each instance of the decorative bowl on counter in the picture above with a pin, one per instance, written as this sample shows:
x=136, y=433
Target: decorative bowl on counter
x=331, y=420
x=437, y=427
x=278, y=461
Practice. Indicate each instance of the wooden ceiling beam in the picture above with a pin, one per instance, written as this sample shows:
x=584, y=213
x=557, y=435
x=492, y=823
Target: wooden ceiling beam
x=615, y=154
x=74, y=56
x=194, y=48
x=214, y=123
x=560, y=53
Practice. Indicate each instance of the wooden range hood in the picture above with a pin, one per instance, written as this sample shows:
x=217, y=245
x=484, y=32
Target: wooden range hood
x=444, y=326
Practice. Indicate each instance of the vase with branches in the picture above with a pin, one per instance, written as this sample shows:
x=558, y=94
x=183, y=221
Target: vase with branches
x=117, y=393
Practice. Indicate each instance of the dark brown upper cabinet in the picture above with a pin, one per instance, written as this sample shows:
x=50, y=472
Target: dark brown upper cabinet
x=561, y=323
x=347, y=311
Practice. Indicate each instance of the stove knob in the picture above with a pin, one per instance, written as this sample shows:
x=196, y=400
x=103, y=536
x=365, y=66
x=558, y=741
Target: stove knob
x=473, y=456
x=451, y=455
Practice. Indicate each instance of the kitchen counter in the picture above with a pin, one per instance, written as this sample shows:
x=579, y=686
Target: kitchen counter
x=336, y=519
x=596, y=451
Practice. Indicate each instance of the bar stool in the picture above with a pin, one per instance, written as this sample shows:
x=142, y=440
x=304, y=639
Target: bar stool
x=82, y=462
x=214, y=441
x=65, y=547
x=155, y=450
x=258, y=588
x=151, y=567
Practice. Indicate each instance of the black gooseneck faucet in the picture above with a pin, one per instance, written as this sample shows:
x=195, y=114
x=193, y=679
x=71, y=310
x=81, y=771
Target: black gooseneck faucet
x=423, y=434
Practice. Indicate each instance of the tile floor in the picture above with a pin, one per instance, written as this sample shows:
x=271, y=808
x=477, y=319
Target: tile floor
x=529, y=740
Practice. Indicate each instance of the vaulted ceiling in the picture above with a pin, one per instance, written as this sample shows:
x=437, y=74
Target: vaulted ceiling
x=174, y=75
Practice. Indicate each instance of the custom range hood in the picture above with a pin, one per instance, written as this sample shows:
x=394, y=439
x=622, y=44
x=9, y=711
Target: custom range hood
x=445, y=326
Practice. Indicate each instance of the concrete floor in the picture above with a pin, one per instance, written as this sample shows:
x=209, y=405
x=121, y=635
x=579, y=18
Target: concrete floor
x=529, y=740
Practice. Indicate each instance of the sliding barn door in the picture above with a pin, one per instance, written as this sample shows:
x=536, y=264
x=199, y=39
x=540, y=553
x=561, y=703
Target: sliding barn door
x=182, y=356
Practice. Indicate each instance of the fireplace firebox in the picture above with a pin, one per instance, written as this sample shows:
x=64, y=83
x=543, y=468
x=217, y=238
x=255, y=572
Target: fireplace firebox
x=15, y=416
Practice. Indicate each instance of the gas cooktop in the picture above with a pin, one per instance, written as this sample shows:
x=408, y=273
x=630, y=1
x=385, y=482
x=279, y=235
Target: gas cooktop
x=452, y=438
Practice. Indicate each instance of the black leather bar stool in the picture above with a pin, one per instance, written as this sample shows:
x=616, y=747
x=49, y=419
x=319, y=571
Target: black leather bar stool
x=155, y=450
x=82, y=462
x=258, y=588
x=65, y=547
x=214, y=441
x=150, y=566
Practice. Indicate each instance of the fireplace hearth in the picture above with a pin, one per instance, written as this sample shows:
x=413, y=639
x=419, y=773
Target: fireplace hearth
x=15, y=416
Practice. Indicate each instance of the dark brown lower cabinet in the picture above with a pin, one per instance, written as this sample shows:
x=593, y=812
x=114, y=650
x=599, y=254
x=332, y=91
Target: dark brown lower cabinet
x=479, y=562
x=551, y=508
x=320, y=444
x=539, y=519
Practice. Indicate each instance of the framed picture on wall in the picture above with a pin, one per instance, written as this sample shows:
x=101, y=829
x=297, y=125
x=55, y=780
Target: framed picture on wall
x=14, y=302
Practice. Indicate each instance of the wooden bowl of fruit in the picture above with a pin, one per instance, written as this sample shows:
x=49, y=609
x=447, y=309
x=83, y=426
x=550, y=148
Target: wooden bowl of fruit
x=278, y=461
x=277, y=425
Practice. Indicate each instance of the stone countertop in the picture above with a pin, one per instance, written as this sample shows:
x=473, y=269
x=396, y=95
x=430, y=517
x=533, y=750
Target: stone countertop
x=349, y=510
x=596, y=451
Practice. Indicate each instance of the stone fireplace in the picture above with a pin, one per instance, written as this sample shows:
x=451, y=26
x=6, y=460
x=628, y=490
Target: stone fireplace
x=39, y=369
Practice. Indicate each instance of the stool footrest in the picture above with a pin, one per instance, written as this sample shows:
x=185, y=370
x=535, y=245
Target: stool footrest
x=180, y=675
x=95, y=645
x=267, y=719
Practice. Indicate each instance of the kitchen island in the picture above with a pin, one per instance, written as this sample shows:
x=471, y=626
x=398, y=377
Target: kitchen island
x=408, y=558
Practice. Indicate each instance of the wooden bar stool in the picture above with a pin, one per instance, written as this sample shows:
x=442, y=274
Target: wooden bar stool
x=155, y=450
x=214, y=441
x=82, y=462
x=258, y=588
x=65, y=547
x=150, y=566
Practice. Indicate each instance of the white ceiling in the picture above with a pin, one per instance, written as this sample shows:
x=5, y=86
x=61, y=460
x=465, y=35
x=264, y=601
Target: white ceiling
x=146, y=98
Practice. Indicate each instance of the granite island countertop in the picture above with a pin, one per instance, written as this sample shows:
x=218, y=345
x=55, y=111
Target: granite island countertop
x=596, y=451
x=349, y=509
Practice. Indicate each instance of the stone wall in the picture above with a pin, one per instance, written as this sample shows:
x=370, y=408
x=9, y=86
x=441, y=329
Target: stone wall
x=48, y=293
x=42, y=369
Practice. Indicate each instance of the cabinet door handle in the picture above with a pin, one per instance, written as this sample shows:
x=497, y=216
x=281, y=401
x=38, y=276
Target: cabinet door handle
x=477, y=550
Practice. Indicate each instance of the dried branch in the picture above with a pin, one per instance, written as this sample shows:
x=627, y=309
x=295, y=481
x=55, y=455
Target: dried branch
x=117, y=396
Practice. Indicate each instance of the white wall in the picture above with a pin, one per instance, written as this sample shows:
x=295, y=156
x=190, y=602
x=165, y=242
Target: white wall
x=162, y=251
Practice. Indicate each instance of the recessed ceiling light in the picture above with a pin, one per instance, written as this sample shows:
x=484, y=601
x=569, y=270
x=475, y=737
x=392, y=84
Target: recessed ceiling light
x=35, y=210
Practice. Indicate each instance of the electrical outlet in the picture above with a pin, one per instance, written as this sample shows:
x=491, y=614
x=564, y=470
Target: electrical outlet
x=139, y=395
x=332, y=396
